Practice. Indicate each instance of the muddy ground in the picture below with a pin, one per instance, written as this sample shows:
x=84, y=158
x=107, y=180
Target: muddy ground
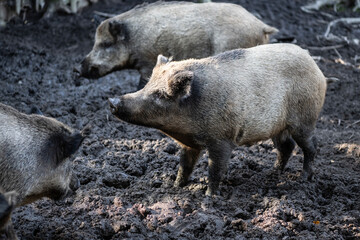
x=127, y=172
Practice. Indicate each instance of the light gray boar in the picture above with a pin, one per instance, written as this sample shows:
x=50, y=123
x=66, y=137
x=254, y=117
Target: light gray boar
x=35, y=157
x=182, y=30
x=238, y=97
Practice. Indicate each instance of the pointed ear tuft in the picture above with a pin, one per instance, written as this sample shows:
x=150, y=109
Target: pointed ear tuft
x=72, y=144
x=180, y=84
x=60, y=146
x=118, y=30
x=162, y=60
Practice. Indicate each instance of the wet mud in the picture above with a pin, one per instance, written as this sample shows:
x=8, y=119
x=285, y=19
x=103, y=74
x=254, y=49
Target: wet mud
x=127, y=172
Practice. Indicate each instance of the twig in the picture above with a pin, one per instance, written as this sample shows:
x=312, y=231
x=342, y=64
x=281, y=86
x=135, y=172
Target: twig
x=317, y=5
x=346, y=20
x=107, y=15
x=356, y=58
x=331, y=79
x=317, y=58
x=313, y=12
x=326, y=48
x=18, y=6
x=354, y=123
x=337, y=53
x=357, y=5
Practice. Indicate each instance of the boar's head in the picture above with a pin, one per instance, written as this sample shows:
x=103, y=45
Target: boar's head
x=110, y=52
x=162, y=102
x=54, y=175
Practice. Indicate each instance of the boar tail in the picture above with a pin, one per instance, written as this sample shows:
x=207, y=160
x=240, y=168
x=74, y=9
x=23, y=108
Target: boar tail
x=269, y=30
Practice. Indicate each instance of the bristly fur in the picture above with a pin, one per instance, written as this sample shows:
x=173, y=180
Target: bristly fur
x=238, y=97
x=34, y=156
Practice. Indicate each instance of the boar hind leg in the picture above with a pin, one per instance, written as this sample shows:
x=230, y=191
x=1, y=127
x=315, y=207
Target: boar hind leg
x=284, y=145
x=219, y=155
x=307, y=143
x=188, y=159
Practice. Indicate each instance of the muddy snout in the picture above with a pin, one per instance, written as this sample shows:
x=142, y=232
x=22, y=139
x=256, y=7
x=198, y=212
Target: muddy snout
x=115, y=104
x=74, y=183
x=88, y=70
x=61, y=194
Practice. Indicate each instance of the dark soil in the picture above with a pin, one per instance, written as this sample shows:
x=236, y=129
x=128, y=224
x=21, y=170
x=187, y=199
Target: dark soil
x=127, y=172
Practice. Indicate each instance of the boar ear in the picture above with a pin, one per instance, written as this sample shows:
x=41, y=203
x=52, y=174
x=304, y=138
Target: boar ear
x=118, y=30
x=72, y=144
x=162, y=60
x=60, y=147
x=180, y=84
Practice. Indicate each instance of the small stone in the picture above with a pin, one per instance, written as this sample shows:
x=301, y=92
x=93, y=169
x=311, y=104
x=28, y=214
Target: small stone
x=239, y=224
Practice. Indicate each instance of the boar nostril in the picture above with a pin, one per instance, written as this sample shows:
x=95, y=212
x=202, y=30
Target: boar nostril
x=77, y=69
x=74, y=184
x=114, y=103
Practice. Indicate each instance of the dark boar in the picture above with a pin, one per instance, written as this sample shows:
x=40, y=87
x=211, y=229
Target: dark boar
x=238, y=97
x=34, y=156
x=179, y=29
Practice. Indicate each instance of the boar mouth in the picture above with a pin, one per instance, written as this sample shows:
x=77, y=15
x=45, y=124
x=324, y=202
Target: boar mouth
x=93, y=73
x=57, y=195
x=118, y=110
x=113, y=102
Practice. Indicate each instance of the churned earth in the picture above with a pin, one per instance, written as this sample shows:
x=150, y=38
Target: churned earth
x=127, y=172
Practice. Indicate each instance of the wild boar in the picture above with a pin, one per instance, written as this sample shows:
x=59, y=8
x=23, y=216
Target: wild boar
x=238, y=97
x=34, y=156
x=182, y=30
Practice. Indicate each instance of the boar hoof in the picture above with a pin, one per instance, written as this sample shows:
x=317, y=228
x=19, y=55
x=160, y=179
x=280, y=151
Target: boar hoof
x=180, y=183
x=278, y=168
x=212, y=193
x=307, y=175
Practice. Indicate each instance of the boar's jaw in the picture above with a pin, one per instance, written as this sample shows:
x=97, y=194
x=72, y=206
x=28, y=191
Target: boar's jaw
x=184, y=138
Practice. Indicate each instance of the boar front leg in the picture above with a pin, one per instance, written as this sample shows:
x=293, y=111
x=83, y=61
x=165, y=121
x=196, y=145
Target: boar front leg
x=188, y=159
x=10, y=232
x=219, y=155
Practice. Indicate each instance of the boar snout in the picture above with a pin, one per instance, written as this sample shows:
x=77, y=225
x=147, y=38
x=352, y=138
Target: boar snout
x=74, y=183
x=114, y=104
x=89, y=70
x=77, y=70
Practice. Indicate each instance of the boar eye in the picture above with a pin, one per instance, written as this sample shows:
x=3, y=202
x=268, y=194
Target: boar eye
x=159, y=94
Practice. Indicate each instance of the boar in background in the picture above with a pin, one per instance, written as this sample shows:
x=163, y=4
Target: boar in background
x=35, y=157
x=182, y=30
